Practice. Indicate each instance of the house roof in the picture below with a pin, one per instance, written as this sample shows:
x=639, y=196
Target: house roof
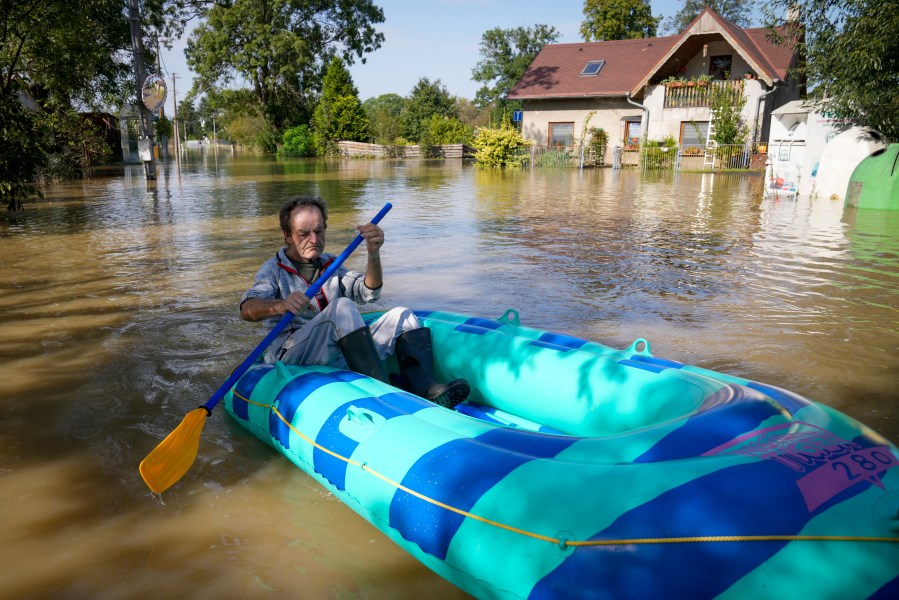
x=631, y=64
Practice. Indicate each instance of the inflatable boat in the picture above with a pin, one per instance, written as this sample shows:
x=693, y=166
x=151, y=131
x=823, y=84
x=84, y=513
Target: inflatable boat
x=575, y=470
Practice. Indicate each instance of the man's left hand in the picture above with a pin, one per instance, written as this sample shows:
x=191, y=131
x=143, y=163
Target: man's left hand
x=373, y=236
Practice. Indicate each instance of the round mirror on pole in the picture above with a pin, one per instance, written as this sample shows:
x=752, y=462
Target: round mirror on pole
x=154, y=92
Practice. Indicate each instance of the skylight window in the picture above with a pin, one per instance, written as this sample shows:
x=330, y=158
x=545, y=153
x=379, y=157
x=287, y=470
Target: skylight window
x=593, y=67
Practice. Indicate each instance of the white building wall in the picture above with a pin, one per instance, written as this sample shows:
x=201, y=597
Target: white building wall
x=607, y=113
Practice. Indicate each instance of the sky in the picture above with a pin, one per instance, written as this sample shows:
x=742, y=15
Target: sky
x=437, y=39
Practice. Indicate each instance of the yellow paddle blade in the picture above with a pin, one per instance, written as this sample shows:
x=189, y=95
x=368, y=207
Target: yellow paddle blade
x=171, y=459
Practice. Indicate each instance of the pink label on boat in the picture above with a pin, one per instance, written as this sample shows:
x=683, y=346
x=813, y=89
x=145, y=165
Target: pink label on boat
x=830, y=464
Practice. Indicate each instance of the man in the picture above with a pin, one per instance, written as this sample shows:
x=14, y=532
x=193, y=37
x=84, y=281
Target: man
x=329, y=330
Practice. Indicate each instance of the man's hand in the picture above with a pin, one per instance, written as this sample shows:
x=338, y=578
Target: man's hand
x=295, y=303
x=373, y=236
x=256, y=309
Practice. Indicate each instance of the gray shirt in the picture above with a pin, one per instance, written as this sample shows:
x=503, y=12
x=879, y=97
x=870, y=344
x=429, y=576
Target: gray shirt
x=277, y=278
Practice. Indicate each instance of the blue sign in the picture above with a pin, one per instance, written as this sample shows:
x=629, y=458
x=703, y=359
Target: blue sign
x=516, y=116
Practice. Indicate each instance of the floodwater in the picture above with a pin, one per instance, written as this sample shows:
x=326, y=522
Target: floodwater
x=118, y=315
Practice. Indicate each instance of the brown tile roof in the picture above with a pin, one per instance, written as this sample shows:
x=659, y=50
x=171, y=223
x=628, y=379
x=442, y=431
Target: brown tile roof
x=556, y=72
x=630, y=64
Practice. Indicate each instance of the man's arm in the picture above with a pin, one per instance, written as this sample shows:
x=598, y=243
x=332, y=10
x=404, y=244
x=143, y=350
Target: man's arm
x=374, y=239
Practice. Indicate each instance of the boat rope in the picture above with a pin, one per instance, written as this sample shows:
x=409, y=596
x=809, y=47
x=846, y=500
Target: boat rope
x=562, y=542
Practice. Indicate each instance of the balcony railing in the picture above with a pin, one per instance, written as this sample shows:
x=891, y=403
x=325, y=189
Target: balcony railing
x=695, y=93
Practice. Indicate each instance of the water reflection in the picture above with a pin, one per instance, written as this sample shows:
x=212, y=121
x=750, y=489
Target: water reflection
x=118, y=315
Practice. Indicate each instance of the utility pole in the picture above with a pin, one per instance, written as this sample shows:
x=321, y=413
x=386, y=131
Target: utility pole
x=175, y=115
x=146, y=123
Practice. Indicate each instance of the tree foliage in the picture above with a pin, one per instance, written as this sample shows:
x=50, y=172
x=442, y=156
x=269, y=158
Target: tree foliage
x=618, y=20
x=339, y=114
x=385, y=117
x=737, y=11
x=58, y=57
x=851, y=57
x=505, y=56
x=427, y=98
x=281, y=47
x=727, y=106
x=297, y=142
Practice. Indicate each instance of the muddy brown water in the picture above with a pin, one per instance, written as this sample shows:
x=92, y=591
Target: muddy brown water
x=118, y=314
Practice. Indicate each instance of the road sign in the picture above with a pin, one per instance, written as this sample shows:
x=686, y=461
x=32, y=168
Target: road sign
x=516, y=116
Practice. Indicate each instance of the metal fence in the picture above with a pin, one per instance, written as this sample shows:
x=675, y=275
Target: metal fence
x=714, y=157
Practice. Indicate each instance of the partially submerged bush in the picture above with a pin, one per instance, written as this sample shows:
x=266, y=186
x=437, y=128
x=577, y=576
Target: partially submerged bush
x=500, y=147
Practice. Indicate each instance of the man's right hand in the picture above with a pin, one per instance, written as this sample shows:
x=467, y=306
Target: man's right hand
x=256, y=309
x=295, y=303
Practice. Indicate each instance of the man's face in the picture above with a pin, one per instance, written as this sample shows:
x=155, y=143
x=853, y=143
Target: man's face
x=306, y=240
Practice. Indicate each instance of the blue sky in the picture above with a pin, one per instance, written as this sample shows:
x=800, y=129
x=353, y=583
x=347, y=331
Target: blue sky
x=437, y=39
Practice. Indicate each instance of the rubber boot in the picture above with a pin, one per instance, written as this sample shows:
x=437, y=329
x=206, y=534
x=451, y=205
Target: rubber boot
x=359, y=350
x=416, y=362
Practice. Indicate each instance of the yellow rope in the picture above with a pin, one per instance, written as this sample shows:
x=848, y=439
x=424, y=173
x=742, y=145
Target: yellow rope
x=575, y=543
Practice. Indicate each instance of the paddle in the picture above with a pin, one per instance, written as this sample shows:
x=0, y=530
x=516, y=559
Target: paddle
x=171, y=459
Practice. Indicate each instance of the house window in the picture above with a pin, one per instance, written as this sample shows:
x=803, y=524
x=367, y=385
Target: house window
x=561, y=134
x=633, y=131
x=693, y=136
x=593, y=67
x=719, y=67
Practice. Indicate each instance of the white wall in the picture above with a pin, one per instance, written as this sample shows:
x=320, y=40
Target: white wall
x=608, y=113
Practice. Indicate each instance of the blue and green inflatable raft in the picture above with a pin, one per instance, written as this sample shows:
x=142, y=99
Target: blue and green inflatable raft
x=576, y=470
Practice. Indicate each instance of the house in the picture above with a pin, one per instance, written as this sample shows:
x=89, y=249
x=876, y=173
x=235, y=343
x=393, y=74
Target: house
x=618, y=85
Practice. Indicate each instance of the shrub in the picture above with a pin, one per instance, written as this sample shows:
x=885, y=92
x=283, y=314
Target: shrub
x=297, y=141
x=500, y=147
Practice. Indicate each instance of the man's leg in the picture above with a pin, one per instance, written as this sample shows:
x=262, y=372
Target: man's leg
x=316, y=342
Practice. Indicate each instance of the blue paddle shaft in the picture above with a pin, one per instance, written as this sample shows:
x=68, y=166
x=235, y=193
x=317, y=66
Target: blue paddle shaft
x=287, y=318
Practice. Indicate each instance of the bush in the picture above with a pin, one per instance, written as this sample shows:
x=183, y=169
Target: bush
x=297, y=141
x=500, y=147
x=448, y=130
x=253, y=132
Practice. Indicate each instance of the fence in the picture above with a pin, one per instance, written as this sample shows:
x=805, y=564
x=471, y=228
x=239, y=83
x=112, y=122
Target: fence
x=362, y=149
x=575, y=156
x=696, y=94
x=684, y=158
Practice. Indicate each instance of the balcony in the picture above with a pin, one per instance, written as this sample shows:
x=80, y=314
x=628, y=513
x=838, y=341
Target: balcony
x=693, y=94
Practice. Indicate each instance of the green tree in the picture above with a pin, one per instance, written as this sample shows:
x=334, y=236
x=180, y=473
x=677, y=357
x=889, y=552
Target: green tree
x=851, y=50
x=339, y=114
x=505, y=56
x=427, y=98
x=281, y=47
x=385, y=117
x=727, y=107
x=448, y=130
x=737, y=11
x=23, y=153
x=618, y=20
x=297, y=142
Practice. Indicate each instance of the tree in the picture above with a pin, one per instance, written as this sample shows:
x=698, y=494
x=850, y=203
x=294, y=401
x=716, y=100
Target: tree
x=737, y=11
x=618, y=20
x=727, y=106
x=505, y=56
x=385, y=117
x=427, y=98
x=851, y=57
x=339, y=114
x=281, y=47
x=58, y=57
